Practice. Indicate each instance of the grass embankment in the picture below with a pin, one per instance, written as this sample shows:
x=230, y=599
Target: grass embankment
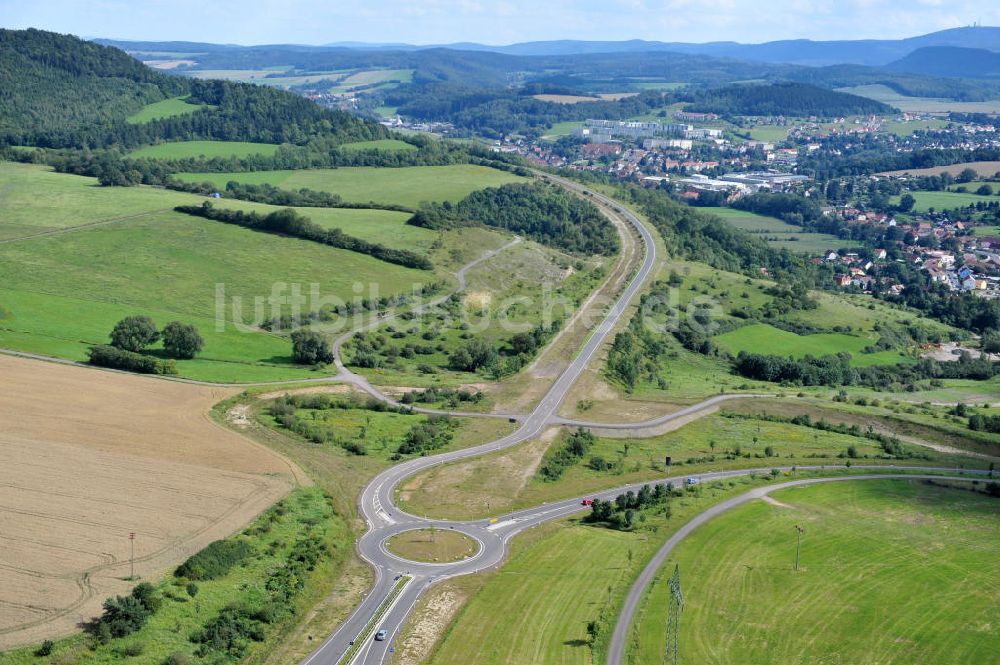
x=335, y=463
x=891, y=571
x=407, y=186
x=304, y=520
x=432, y=545
x=462, y=490
x=206, y=149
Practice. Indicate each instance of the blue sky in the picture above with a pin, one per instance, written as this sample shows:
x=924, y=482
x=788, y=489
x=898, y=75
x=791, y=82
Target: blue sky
x=493, y=21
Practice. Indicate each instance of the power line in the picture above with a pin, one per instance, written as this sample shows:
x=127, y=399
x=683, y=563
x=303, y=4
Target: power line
x=674, y=608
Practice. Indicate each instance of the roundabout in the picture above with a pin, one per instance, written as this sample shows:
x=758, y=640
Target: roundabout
x=432, y=545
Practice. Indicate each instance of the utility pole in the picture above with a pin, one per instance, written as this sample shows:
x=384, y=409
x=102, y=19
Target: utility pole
x=798, y=543
x=131, y=558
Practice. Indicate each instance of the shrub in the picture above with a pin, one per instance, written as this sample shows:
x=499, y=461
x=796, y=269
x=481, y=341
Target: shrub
x=124, y=615
x=215, y=560
x=110, y=356
x=575, y=448
x=310, y=347
x=45, y=649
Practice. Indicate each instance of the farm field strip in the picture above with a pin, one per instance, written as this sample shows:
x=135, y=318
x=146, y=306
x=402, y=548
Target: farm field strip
x=126, y=454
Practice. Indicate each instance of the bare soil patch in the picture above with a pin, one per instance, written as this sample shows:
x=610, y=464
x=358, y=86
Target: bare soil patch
x=87, y=457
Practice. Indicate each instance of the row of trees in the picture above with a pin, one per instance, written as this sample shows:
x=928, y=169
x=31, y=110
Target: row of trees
x=621, y=513
x=292, y=223
x=132, y=336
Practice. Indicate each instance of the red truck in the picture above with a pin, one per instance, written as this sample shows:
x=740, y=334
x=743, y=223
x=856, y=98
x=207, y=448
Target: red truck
x=587, y=502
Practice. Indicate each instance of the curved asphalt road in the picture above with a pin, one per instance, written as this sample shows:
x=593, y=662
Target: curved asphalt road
x=385, y=519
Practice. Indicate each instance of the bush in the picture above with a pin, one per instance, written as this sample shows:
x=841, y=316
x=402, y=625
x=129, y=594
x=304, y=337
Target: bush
x=45, y=649
x=124, y=615
x=181, y=340
x=575, y=448
x=215, y=560
x=178, y=658
x=310, y=347
x=109, y=356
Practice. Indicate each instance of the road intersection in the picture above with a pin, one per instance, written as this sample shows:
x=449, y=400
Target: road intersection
x=385, y=519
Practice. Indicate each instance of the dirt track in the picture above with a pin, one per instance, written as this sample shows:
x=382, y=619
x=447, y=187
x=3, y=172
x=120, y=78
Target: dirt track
x=88, y=456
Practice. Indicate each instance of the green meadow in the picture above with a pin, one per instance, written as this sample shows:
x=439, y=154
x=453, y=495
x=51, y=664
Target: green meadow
x=37, y=200
x=112, y=252
x=387, y=227
x=762, y=338
x=946, y=200
x=407, y=186
x=206, y=149
x=779, y=234
x=751, y=221
x=168, y=108
x=894, y=571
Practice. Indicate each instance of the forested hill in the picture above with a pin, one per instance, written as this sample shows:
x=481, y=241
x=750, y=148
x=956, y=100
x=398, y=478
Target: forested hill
x=61, y=91
x=790, y=99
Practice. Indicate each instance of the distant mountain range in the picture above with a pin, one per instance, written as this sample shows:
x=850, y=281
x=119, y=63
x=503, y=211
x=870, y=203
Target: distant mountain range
x=792, y=51
x=873, y=52
x=951, y=61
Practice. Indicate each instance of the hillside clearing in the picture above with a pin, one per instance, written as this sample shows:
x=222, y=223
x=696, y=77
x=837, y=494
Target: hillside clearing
x=168, y=108
x=207, y=149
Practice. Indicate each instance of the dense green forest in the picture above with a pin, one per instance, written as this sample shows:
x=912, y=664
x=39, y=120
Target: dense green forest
x=541, y=212
x=42, y=72
x=787, y=99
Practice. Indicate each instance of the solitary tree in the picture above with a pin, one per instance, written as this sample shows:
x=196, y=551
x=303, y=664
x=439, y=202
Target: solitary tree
x=310, y=347
x=134, y=333
x=906, y=202
x=967, y=175
x=181, y=340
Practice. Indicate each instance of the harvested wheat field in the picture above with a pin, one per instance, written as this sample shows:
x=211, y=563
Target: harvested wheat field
x=89, y=456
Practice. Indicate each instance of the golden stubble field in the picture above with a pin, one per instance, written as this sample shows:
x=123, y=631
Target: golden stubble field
x=89, y=456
